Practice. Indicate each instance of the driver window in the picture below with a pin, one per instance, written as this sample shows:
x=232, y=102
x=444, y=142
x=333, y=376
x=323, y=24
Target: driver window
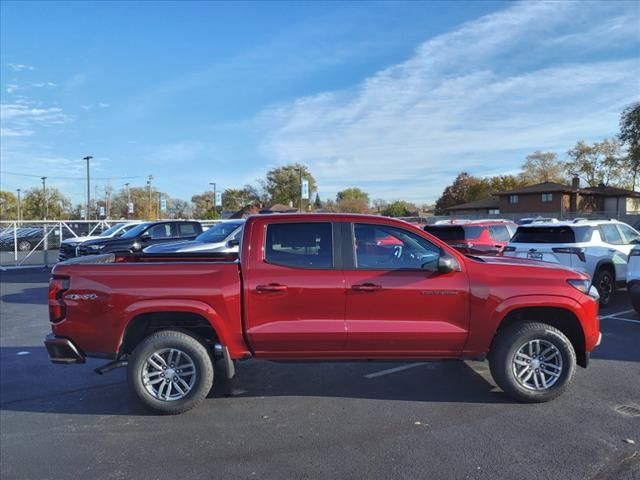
x=390, y=248
x=630, y=234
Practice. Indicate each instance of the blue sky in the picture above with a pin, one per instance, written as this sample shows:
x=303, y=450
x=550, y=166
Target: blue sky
x=395, y=98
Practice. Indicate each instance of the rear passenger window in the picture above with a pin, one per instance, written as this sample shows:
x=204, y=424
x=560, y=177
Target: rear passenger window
x=610, y=234
x=300, y=245
x=187, y=229
x=500, y=233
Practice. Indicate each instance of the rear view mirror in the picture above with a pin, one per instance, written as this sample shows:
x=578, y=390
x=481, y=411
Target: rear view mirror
x=447, y=263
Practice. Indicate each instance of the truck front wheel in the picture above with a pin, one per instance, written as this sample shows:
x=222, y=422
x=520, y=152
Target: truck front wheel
x=170, y=372
x=532, y=362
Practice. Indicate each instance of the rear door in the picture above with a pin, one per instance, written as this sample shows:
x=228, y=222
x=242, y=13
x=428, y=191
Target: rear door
x=294, y=294
x=618, y=238
x=398, y=304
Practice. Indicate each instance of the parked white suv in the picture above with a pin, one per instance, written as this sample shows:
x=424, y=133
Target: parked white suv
x=599, y=248
x=633, y=277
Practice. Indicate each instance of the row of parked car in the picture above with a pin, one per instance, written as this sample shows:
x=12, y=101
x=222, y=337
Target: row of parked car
x=156, y=237
x=606, y=250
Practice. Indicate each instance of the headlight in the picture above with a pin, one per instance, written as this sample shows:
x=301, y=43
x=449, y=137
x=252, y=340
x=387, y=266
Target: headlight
x=582, y=285
x=96, y=247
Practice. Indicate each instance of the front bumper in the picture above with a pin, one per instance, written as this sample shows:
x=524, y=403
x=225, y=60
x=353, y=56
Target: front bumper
x=62, y=350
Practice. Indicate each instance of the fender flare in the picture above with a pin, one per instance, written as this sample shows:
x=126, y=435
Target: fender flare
x=174, y=305
x=601, y=263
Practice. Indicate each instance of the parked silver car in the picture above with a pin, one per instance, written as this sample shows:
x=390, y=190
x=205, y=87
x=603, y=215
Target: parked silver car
x=223, y=237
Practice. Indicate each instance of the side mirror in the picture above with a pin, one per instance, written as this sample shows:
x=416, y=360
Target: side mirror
x=447, y=263
x=234, y=242
x=145, y=237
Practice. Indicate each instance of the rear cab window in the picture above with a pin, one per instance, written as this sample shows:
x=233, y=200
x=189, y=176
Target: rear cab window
x=454, y=233
x=187, y=230
x=300, y=245
x=500, y=233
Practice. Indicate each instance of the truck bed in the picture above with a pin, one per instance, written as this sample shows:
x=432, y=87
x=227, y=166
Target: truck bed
x=107, y=292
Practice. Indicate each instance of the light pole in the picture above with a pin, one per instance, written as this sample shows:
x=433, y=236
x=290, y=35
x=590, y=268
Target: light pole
x=150, y=199
x=128, y=200
x=44, y=198
x=86, y=212
x=19, y=206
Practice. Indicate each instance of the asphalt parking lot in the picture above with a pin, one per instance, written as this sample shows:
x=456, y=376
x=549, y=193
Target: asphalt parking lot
x=329, y=420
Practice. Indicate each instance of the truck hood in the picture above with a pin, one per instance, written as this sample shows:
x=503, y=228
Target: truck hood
x=76, y=240
x=522, y=262
x=187, y=246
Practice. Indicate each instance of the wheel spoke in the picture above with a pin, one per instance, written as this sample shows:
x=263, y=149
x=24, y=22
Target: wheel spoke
x=537, y=364
x=181, y=376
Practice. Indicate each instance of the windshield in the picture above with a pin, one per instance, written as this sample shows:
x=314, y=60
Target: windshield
x=218, y=232
x=111, y=230
x=135, y=231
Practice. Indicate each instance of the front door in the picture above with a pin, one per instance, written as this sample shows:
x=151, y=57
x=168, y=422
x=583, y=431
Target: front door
x=398, y=303
x=294, y=296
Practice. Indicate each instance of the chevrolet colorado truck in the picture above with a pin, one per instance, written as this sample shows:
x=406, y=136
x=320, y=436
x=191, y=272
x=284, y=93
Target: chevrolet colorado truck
x=321, y=287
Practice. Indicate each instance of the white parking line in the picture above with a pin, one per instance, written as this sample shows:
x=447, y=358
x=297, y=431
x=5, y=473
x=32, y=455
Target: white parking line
x=617, y=314
x=393, y=370
x=608, y=317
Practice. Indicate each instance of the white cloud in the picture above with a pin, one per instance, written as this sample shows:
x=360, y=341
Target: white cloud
x=20, y=120
x=103, y=105
x=19, y=67
x=12, y=88
x=44, y=84
x=475, y=98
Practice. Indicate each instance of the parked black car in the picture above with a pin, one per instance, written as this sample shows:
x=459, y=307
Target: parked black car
x=142, y=236
x=29, y=238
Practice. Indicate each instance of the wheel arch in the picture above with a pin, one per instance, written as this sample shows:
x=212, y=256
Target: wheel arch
x=556, y=316
x=192, y=317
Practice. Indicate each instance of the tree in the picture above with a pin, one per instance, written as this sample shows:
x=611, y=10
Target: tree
x=8, y=206
x=399, y=208
x=380, y=204
x=57, y=205
x=283, y=183
x=203, y=206
x=630, y=137
x=458, y=192
x=178, y=208
x=237, y=198
x=542, y=167
x=353, y=200
x=600, y=163
x=143, y=209
x=317, y=203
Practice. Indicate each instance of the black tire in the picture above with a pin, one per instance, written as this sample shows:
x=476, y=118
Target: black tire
x=503, y=353
x=634, y=293
x=605, y=282
x=196, y=351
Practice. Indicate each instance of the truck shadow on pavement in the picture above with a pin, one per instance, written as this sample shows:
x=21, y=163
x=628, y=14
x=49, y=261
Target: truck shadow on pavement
x=30, y=383
x=28, y=296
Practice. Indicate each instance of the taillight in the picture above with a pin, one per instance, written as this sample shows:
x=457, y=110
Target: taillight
x=571, y=251
x=57, y=307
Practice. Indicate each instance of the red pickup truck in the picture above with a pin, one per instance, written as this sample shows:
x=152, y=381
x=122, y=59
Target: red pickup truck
x=321, y=287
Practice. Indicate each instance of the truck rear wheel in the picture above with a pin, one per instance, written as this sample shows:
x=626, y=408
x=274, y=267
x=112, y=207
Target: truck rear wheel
x=170, y=372
x=532, y=362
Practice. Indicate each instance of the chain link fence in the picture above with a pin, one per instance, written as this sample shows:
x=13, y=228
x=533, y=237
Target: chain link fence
x=37, y=243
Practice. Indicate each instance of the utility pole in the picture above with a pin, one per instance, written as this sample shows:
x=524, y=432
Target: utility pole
x=107, y=194
x=95, y=194
x=44, y=198
x=150, y=199
x=214, y=196
x=128, y=200
x=19, y=206
x=86, y=212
